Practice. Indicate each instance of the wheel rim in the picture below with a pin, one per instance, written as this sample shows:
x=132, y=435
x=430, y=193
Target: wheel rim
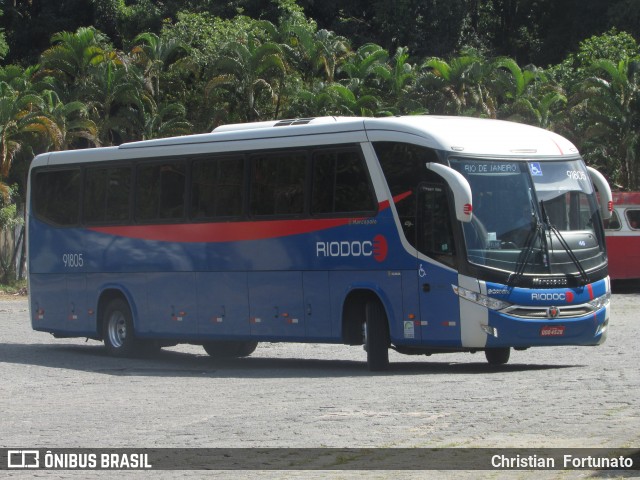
x=117, y=329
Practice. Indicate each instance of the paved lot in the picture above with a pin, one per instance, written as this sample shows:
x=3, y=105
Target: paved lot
x=68, y=393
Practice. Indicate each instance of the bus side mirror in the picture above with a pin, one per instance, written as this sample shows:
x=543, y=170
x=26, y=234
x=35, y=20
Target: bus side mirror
x=460, y=188
x=604, y=191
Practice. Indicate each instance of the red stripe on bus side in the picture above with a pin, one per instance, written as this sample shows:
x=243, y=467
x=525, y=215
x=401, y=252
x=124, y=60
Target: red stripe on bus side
x=221, y=232
x=230, y=231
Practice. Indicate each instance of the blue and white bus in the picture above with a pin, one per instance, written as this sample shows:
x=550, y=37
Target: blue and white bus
x=422, y=234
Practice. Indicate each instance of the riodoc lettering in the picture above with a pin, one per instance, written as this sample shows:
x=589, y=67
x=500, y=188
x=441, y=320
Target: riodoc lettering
x=566, y=296
x=376, y=248
x=344, y=249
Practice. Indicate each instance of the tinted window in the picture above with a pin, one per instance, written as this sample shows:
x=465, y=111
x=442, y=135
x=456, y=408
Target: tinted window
x=633, y=217
x=277, y=184
x=404, y=168
x=613, y=223
x=340, y=183
x=160, y=191
x=434, y=223
x=216, y=189
x=106, y=194
x=56, y=196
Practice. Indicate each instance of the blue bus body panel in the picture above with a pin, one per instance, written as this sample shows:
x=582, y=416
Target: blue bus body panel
x=277, y=286
x=584, y=329
x=279, y=281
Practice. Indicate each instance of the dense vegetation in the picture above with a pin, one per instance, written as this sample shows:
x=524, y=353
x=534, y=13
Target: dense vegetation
x=83, y=73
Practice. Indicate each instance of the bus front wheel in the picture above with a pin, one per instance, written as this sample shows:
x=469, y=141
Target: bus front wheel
x=376, y=337
x=117, y=328
x=497, y=356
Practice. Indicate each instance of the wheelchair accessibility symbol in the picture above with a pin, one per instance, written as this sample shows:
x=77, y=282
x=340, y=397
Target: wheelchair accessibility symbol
x=535, y=168
x=421, y=272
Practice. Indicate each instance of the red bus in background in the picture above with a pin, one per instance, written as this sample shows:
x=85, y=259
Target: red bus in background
x=623, y=236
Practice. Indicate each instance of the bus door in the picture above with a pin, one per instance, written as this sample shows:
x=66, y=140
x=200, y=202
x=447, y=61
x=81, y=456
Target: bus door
x=439, y=306
x=276, y=304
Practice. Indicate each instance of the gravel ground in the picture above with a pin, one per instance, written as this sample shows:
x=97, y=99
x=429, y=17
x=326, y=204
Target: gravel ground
x=68, y=393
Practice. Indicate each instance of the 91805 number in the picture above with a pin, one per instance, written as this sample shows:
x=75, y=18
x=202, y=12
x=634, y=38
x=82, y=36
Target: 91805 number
x=72, y=260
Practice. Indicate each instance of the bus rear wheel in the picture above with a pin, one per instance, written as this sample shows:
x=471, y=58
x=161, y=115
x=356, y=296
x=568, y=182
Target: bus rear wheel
x=117, y=329
x=376, y=337
x=497, y=356
x=229, y=349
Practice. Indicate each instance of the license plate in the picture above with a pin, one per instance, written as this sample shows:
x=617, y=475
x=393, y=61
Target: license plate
x=552, y=331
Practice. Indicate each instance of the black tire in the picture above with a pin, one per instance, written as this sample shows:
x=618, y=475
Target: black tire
x=117, y=329
x=376, y=337
x=497, y=356
x=232, y=349
x=149, y=348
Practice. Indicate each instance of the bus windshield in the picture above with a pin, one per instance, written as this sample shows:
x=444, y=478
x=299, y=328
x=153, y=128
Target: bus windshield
x=532, y=217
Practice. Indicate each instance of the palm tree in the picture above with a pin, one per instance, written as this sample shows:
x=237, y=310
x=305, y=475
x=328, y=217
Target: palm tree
x=526, y=95
x=155, y=55
x=22, y=123
x=73, y=56
x=610, y=105
x=71, y=120
x=459, y=87
x=542, y=110
x=398, y=77
x=117, y=101
x=363, y=69
x=251, y=73
x=316, y=53
x=165, y=121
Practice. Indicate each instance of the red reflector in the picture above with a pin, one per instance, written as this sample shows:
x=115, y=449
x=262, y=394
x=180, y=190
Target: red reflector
x=552, y=331
x=610, y=206
x=468, y=208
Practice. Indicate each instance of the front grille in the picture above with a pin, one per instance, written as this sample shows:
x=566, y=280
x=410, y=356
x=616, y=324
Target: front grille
x=535, y=312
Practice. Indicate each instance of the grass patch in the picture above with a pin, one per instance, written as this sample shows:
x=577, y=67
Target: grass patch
x=18, y=287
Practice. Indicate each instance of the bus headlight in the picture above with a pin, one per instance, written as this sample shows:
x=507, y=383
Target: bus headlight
x=601, y=302
x=475, y=297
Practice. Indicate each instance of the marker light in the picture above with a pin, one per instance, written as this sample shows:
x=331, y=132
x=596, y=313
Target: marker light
x=602, y=328
x=489, y=330
x=485, y=301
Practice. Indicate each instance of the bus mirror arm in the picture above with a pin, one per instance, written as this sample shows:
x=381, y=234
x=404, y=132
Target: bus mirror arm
x=460, y=188
x=604, y=191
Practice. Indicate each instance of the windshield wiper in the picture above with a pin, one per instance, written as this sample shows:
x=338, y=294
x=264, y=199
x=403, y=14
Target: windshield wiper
x=583, y=274
x=535, y=231
x=523, y=259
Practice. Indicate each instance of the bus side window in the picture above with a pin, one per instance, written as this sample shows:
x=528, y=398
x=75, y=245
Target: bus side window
x=434, y=221
x=217, y=187
x=404, y=168
x=340, y=184
x=106, y=194
x=57, y=196
x=277, y=183
x=633, y=217
x=160, y=191
x=614, y=222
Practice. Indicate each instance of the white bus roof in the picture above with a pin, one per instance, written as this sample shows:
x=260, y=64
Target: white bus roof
x=466, y=135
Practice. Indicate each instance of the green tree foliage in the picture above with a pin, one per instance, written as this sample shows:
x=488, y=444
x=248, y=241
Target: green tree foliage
x=609, y=110
x=147, y=69
x=4, y=46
